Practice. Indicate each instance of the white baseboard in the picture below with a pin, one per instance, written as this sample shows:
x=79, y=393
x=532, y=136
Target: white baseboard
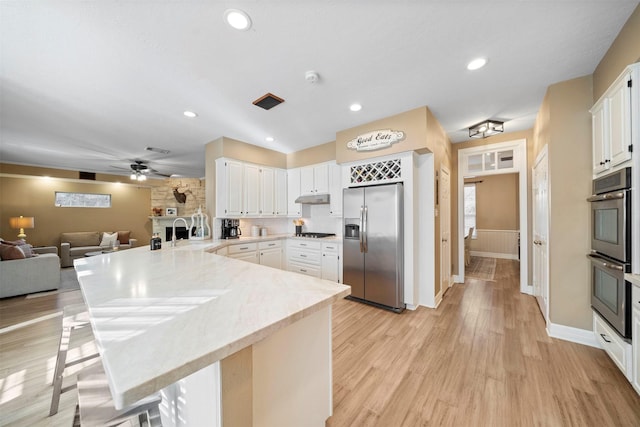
x=411, y=306
x=494, y=255
x=457, y=279
x=568, y=333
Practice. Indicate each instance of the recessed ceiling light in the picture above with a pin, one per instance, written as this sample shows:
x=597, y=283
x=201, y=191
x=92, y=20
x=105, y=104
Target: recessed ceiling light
x=476, y=64
x=237, y=19
x=269, y=139
x=190, y=114
x=355, y=107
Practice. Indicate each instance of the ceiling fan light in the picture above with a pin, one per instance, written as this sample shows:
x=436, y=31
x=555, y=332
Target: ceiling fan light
x=142, y=177
x=133, y=176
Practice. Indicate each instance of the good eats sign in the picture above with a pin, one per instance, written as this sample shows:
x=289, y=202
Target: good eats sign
x=375, y=140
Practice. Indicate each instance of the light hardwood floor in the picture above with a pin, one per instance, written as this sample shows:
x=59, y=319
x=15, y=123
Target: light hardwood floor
x=482, y=358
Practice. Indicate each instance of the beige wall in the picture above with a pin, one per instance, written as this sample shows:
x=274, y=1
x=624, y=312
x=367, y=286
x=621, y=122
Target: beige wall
x=497, y=202
x=413, y=123
x=625, y=50
x=34, y=196
x=318, y=154
x=564, y=124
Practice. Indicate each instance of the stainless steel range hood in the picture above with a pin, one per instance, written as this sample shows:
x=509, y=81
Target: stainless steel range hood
x=314, y=199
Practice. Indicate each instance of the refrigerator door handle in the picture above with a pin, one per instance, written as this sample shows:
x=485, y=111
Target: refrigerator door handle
x=364, y=230
x=360, y=234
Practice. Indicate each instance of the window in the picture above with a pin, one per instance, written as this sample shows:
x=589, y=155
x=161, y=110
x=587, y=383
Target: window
x=82, y=200
x=469, y=208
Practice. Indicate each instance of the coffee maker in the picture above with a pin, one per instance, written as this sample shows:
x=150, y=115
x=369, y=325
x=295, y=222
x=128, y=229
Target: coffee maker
x=231, y=228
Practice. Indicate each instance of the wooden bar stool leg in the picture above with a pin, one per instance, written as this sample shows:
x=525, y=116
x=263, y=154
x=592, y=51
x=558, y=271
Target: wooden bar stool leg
x=61, y=361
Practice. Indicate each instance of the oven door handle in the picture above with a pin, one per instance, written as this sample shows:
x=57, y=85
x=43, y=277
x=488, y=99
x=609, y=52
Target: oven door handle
x=605, y=264
x=607, y=196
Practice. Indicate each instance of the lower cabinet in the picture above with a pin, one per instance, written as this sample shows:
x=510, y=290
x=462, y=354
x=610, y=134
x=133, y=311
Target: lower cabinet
x=304, y=257
x=245, y=252
x=613, y=344
x=330, y=262
x=635, y=333
x=271, y=253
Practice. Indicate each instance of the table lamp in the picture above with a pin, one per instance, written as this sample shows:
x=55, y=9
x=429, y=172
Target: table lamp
x=21, y=222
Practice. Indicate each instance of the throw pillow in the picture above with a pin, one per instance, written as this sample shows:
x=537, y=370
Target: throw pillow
x=108, y=239
x=124, y=236
x=8, y=252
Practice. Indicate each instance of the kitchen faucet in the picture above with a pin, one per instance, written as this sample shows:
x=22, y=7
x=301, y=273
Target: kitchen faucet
x=173, y=236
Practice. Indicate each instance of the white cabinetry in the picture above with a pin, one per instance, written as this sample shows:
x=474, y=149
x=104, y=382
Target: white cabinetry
x=271, y=253
x=611, y=123
x=635, y=334
x=293, y=191
x=267, y=191
x=245, y=252
x=335, y=190
x=314, y=179
x=248, y=190
x=304, y=257
x=331, y=262
x=281, y=192
x=613, y=344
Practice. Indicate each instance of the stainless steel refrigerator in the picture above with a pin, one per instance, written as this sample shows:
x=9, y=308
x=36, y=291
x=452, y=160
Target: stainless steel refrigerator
x=373, y=263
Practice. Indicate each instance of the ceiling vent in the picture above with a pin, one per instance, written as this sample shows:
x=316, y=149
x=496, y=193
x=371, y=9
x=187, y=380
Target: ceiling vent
x=87, y=175
x=268, y=101
x=157, y=150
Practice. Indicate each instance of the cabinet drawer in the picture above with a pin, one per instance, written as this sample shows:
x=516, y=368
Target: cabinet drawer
x=305, y=257
x=236, y=249
x=611, y=342
x=304, y=244
x=635, y=297
x=222, y=251
x=329, y=247
x=270, y=244
x=305, y=269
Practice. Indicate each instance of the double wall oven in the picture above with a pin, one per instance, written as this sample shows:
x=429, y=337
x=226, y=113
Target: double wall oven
x=611, y=249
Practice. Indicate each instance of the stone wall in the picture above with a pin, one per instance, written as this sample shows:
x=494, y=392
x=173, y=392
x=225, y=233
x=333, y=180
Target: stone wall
x=162, y=196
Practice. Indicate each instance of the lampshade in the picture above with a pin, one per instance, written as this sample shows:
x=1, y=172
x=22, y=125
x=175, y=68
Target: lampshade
x=21, y=222
x=486, y=128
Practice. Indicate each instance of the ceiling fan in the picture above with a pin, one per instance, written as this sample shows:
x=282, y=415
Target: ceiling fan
x=140, y=170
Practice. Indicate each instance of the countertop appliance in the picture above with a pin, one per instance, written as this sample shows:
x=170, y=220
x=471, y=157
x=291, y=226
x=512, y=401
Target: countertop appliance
x=610, y=256
x=313, y=235
x=230, y=229
x=373, y=263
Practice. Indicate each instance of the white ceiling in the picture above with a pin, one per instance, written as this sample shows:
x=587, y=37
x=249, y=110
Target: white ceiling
x=88, y=85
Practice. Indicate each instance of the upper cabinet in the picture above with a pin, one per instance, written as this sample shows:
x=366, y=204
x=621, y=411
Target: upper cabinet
x=612, y=123
x=248, y=190
x=293, y=191
x=314, y=179
x=335, y=190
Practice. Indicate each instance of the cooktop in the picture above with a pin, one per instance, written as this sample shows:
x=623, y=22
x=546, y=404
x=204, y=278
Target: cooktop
x=315, y=235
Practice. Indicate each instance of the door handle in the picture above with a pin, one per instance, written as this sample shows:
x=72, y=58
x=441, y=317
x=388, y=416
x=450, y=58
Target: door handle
x=361, y=233
x=604, y=337
x=365, y=238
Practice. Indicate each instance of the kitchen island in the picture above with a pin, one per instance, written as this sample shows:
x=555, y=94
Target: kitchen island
x=226, y=342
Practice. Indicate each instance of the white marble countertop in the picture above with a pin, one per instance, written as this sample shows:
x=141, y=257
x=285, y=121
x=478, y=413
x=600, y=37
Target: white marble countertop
x=161, y=315
x=633, y=278
x=212, y=245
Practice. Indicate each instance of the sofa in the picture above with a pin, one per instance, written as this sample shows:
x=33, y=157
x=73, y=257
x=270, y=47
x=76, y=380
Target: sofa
x=34, y=274
x=75, y=245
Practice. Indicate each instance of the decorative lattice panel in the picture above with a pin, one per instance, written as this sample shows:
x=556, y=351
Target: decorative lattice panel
x=376, y=171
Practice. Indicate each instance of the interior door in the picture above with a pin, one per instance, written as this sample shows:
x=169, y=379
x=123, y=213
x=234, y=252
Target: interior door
x=541, y=232
x=444, y=200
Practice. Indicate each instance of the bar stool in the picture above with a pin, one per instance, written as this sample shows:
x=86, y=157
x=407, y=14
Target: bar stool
x=73, y=317
x=96, y=407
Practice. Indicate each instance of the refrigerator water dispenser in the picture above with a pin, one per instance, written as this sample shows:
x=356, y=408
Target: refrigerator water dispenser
x=351, y=231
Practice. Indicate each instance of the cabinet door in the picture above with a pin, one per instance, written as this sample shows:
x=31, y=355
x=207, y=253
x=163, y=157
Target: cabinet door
x=330, y=266
x=281, y=192
x=271, y=257
x=335, y=190
x=306, y=180
x=635, y=333
x=251, y=190
x=234, y=187
x=293, y=192
x=599, y=137
x=620, y=122
x=251, y=256
x=321, y=179
x=267, y=193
